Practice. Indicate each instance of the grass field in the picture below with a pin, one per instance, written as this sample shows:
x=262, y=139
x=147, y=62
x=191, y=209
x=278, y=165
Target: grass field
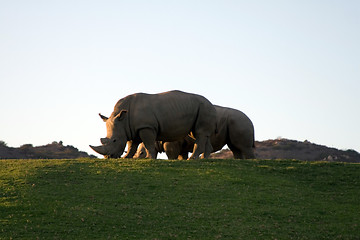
x=162, y=199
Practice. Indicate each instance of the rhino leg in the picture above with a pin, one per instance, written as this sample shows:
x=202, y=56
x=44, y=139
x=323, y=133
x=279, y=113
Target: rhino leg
x=243, y=153
x=183, y=155
x=173, y=149
x=200, y=147
x=148, y=136
x=208, y=148
x=249, y=153
x=132, y=148
x=141, y=151
x=236, y=151
x=171, y=155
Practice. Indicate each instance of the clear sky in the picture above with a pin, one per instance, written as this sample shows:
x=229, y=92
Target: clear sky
x=292, y=66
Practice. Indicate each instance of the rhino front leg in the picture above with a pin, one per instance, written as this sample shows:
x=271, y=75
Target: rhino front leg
x=148, y=136
x=132, y=148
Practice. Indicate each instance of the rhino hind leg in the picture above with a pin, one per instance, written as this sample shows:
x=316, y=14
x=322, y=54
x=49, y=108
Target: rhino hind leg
x=202, y=146
x=198, y=149
x=183, y=156
x=172, y=149
x=236, y=152
x=171, y=155
x=205, y=125
x=140, y=152
x=242, y=152
x=248, y=153
x=208, y=148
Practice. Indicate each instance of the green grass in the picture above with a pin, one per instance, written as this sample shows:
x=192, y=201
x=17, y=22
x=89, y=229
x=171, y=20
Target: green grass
x=162, y=199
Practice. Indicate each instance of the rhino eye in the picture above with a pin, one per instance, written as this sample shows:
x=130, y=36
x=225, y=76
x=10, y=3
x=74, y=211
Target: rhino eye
x=114, y=140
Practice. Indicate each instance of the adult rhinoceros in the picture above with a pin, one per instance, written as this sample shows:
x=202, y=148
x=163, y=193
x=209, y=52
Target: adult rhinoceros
x=147, y=118
x=234, y=128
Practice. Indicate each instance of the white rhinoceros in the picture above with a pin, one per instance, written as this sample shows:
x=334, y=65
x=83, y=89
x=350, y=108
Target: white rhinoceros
x=167, y=117
x=234, y=128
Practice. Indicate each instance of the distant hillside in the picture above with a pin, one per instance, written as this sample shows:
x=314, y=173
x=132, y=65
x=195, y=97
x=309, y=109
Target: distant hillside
x=292, y=149
x=269, y=149
x=55, y=150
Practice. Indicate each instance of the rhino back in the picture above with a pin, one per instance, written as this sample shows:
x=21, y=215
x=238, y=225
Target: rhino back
x=123, y=104
x=172, y=114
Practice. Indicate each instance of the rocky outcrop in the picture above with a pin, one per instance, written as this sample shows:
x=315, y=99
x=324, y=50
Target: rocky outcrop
x=55, y=150
x=292, y=149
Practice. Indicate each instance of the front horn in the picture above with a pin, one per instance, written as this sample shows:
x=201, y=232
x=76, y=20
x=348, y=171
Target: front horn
x=99, y=149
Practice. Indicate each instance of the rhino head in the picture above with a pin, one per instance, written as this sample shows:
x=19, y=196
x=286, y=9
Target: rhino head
x=114, y=144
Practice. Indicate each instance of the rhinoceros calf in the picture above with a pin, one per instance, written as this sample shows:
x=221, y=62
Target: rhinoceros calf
x=147, y=118
x=234, y=128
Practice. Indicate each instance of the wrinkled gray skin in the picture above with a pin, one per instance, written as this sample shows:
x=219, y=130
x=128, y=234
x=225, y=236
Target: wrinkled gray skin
x=148, y=118
x=234, y=128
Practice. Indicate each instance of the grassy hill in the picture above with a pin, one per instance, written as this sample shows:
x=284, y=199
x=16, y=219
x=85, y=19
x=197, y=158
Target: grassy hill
x=162, y=199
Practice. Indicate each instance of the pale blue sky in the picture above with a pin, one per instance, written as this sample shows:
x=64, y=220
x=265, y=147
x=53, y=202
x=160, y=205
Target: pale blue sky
x=292, y=66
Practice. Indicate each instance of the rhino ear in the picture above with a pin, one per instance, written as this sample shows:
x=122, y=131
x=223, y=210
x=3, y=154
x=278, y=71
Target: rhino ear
x=121, y=115
x=103, y=117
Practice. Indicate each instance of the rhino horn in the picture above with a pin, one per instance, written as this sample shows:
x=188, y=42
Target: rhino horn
x=99, y=149
x=103, y=117
x=104, y=141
